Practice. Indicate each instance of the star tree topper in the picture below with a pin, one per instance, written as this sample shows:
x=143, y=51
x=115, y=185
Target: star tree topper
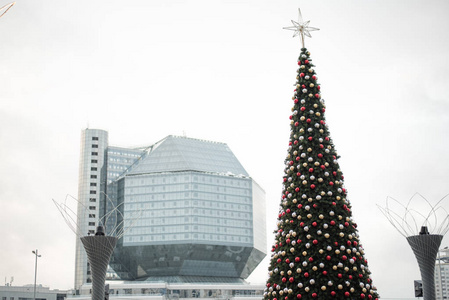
x=301, y=28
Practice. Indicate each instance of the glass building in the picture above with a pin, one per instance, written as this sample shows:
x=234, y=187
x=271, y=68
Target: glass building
x=192, y=209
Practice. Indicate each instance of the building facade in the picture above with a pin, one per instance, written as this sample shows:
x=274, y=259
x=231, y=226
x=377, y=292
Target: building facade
x=187, y=207
x=26, y=292
x=442, y=274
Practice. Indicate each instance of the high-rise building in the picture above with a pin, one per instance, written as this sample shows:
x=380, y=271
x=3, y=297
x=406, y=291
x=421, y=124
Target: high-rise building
x=442, y=274
x=199, y=213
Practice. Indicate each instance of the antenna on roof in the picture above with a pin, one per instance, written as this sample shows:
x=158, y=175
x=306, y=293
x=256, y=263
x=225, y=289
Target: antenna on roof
x=184, y=133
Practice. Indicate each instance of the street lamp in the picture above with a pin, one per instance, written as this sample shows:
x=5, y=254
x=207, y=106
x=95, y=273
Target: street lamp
x=35, y=272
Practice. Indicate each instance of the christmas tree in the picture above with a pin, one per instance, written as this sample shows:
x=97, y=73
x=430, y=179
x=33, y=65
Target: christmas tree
x=316, y=252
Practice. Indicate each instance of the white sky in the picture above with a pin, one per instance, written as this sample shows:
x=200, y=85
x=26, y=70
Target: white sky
x=223, y=71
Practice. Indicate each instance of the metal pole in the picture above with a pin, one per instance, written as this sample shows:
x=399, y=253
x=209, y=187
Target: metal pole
x=441, y=282
x=35, y=272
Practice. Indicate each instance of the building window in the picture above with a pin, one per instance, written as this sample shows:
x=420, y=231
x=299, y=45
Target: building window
x=91, y=215
x=91, y=223
x=93, y=192
x=94, y=153
x=94, y=161
x=92, y=207
x=93, y=184
x=94, y=146
x=95, y=138
x=91, y=232
x=92, y=200
x=93, y=176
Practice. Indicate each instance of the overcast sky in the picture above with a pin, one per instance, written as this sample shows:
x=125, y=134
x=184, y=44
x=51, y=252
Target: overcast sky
x=222, y=71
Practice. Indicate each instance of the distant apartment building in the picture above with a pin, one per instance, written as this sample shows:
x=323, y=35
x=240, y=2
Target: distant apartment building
x=442, y=274
x=201, y=217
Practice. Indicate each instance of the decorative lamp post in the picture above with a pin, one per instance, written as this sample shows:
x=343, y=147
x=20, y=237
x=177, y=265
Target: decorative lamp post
x=425, y=245
x=5, y=8
x=99, y=247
